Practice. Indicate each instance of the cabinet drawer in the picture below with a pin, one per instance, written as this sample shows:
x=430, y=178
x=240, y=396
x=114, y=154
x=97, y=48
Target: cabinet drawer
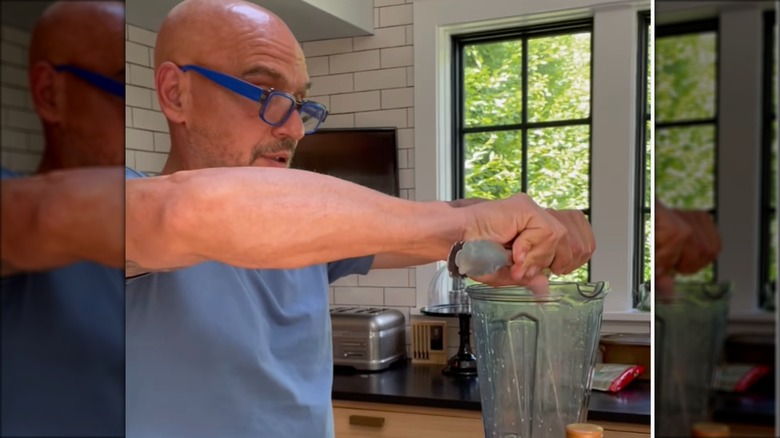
x=367, y=420
x=366, y=423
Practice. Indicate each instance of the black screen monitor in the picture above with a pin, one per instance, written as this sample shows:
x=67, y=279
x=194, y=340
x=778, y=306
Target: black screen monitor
x=365, y=156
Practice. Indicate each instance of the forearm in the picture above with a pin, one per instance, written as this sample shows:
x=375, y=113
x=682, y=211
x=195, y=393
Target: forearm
x=62, y=217
x=276, y=218
x=393, y=260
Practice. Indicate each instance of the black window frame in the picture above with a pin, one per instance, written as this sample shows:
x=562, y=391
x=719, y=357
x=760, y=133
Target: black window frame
x=458, y=123
x=643, y=118
x=769, y=116
x=687, y=28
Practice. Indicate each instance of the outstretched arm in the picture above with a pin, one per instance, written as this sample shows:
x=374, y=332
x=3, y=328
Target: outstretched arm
x=63, y=217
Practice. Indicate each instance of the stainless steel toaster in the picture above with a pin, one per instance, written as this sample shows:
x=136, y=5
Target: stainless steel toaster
x=367, y=338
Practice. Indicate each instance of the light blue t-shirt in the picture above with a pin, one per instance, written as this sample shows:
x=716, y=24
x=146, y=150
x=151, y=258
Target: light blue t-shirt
x=219, y=351
x=62, y=351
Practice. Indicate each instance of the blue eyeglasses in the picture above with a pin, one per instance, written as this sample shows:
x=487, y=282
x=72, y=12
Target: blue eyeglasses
x=104, y=83
x=276, y=107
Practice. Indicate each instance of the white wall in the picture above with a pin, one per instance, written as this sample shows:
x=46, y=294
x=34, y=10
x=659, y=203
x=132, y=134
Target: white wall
x=21, y=144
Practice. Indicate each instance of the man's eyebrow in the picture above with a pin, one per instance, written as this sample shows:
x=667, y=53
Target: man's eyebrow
x=260, y=70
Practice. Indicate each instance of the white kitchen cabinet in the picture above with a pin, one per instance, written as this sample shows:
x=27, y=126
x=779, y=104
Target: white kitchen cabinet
x=370, y=420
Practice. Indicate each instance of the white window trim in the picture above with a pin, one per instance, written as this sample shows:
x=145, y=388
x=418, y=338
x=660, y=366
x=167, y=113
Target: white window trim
x=615, y=38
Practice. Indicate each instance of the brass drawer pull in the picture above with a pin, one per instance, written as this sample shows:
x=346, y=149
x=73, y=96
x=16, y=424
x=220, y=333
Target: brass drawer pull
x=362, y=420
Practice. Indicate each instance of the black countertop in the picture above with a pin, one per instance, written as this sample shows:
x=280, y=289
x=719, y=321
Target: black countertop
x=424, y=385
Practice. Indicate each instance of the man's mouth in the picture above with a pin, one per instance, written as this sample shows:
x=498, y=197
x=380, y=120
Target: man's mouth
x=281, y=159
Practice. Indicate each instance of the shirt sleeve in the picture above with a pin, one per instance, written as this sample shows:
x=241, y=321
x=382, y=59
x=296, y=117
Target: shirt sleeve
x=132, y=173
x=342, y=268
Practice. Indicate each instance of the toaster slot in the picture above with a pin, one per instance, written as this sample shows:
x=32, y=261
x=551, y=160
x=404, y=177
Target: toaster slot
x=354, y=354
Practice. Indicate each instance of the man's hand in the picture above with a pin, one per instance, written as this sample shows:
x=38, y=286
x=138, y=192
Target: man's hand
x=536, y=238
x=579, y=238
x=685, y=242
x=575, y=247
x=704, y=243
x=671, y=236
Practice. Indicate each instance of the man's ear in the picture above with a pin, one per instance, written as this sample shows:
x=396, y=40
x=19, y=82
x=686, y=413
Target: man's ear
x=169, y=81
x=46, y=91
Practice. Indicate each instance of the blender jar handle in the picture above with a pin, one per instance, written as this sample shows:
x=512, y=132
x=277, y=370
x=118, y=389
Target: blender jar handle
x=591, y=291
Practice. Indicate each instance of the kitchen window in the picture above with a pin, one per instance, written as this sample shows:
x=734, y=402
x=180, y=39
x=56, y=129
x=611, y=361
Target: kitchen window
x=768, y=248
x=643, y=242
x=686, y=129
x=522, y=116
x=608, y=106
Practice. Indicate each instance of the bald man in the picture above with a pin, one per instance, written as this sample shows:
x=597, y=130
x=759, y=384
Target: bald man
x=230, y=253
x=62, y=299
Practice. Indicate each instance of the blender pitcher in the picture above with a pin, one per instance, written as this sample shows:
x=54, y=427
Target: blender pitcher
x=535, y=356
x=689, y=335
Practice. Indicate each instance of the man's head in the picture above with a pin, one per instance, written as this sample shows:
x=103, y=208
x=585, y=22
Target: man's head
x=212, y=126
x=83, y=124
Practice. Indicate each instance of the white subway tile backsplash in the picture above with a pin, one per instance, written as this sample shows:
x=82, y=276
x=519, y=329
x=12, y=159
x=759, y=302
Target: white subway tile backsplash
x=405, y=138
x=141, y=76
x=13, y=139
x=24, y=162
x=410, y=117
x=137, y=54
x=410, y=76
x=380, y=79
x=396, y=296
x=128, y=116
x=16, y=97
x=397, y=56
x=354, y=102
x=148, y=119
x=406, y=178
x=35, y=142
x=149, y=161
x=376, y=18
x=385, y=277
x=395, y=15
x=13, y=54
x=16, y=36
x=130, y=158
x=412, y=271
x=356, y=61
x=138, y=96
x=327, y=47
x=394, y=117
x=409, y=34
x=359, y=296
x=162, y=142
x=402, y=163
x=317, y=65
x=397, y=98
x=24, y=119
x=349, y=280
x=383, y=37
x=333, y=84
x=139, y=139
x=141, y=36
x=16, y=75
x=339, y=121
